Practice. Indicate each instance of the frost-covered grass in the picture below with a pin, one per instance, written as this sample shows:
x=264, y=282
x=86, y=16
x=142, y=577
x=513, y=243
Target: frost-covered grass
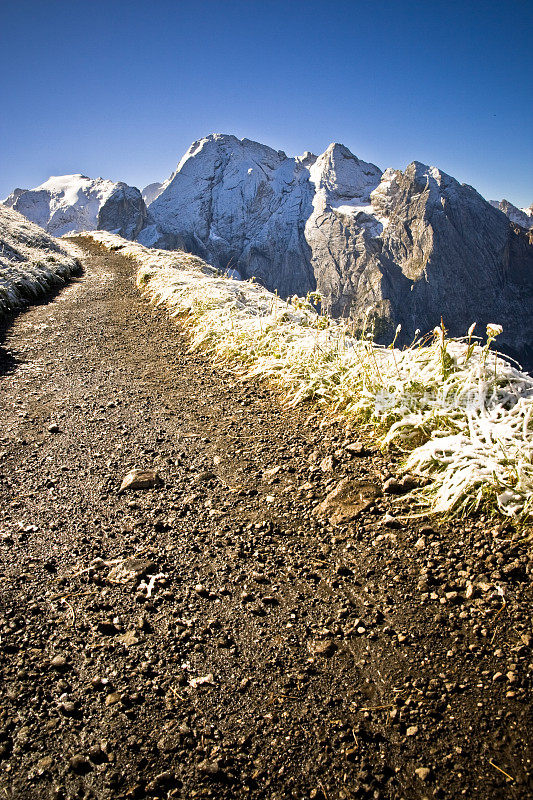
x=462, y=414
x=32, y=263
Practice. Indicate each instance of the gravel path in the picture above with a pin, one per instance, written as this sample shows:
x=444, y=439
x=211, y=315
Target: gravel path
x=212, y=636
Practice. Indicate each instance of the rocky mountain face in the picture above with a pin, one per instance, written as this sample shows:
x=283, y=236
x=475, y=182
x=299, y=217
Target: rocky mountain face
x=521, y=216
x=242, y=207
x=70, y=203
x=445, y=251
x=416, y=246
x=122, y=212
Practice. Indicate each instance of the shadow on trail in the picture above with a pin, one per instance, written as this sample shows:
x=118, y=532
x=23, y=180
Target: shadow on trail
x=7, y=361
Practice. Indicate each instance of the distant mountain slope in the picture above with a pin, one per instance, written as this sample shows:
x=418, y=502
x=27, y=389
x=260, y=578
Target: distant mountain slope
x=414, y=245
x=31, y=261
x=70, y=203
x=521, y=216
x=150, y=192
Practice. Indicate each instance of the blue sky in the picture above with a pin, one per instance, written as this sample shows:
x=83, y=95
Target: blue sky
x=121, y=89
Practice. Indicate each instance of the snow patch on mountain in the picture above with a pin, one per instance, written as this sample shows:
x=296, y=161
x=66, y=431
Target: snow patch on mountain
x=65, y=203
x=32, y=263
x=343, y=185
x=150, y=192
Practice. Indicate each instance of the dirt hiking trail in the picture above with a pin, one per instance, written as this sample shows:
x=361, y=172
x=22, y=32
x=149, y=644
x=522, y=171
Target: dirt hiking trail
x=213, y=636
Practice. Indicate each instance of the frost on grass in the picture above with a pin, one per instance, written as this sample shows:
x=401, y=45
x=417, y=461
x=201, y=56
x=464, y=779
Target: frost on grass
x=31, y=261
x=462, y=414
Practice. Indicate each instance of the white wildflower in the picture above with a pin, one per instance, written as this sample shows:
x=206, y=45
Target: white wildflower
x=493, y=330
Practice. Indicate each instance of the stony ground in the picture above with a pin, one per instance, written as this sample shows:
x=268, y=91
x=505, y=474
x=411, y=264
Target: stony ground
x=213, y=636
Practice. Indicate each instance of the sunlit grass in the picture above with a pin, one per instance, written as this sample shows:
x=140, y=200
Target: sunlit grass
x=460, y=413
x=31, y=262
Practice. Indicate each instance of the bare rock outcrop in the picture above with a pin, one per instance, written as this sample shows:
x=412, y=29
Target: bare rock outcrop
x=123, y=212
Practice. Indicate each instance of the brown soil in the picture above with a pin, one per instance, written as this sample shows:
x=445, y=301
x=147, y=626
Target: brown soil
x=371, y=659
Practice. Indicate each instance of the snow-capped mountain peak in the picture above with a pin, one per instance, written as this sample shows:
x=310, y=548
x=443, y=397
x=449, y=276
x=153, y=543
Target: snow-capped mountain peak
x=68, y=203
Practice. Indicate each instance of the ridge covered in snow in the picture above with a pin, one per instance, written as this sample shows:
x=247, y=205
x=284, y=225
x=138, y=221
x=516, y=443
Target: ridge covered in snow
x=31, y=262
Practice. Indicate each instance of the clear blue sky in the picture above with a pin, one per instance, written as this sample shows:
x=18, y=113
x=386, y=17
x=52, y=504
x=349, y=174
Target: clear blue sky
x=120, y=89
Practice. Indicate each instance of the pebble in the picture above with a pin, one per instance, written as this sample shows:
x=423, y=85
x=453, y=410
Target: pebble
x=78, y=763
x=161, y=780
x=347, y=501
x=423, y=773
x=44, y=764
x=202, y=680
x=211, y=768
x=113, y=698
x=355, y=448
x=326, y=648
x=393, y=486
x=68, y=708
x=167, y=744
x=58, y=663
x=131, y=569
x=97, y=755
x=140, y=479
x=390, y=522
x=327, y=464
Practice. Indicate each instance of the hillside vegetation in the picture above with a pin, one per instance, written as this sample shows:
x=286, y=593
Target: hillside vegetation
x=461, y=413
x=32, y=263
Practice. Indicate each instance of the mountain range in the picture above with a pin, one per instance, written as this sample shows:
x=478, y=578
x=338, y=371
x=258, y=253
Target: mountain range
x=415, y=245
